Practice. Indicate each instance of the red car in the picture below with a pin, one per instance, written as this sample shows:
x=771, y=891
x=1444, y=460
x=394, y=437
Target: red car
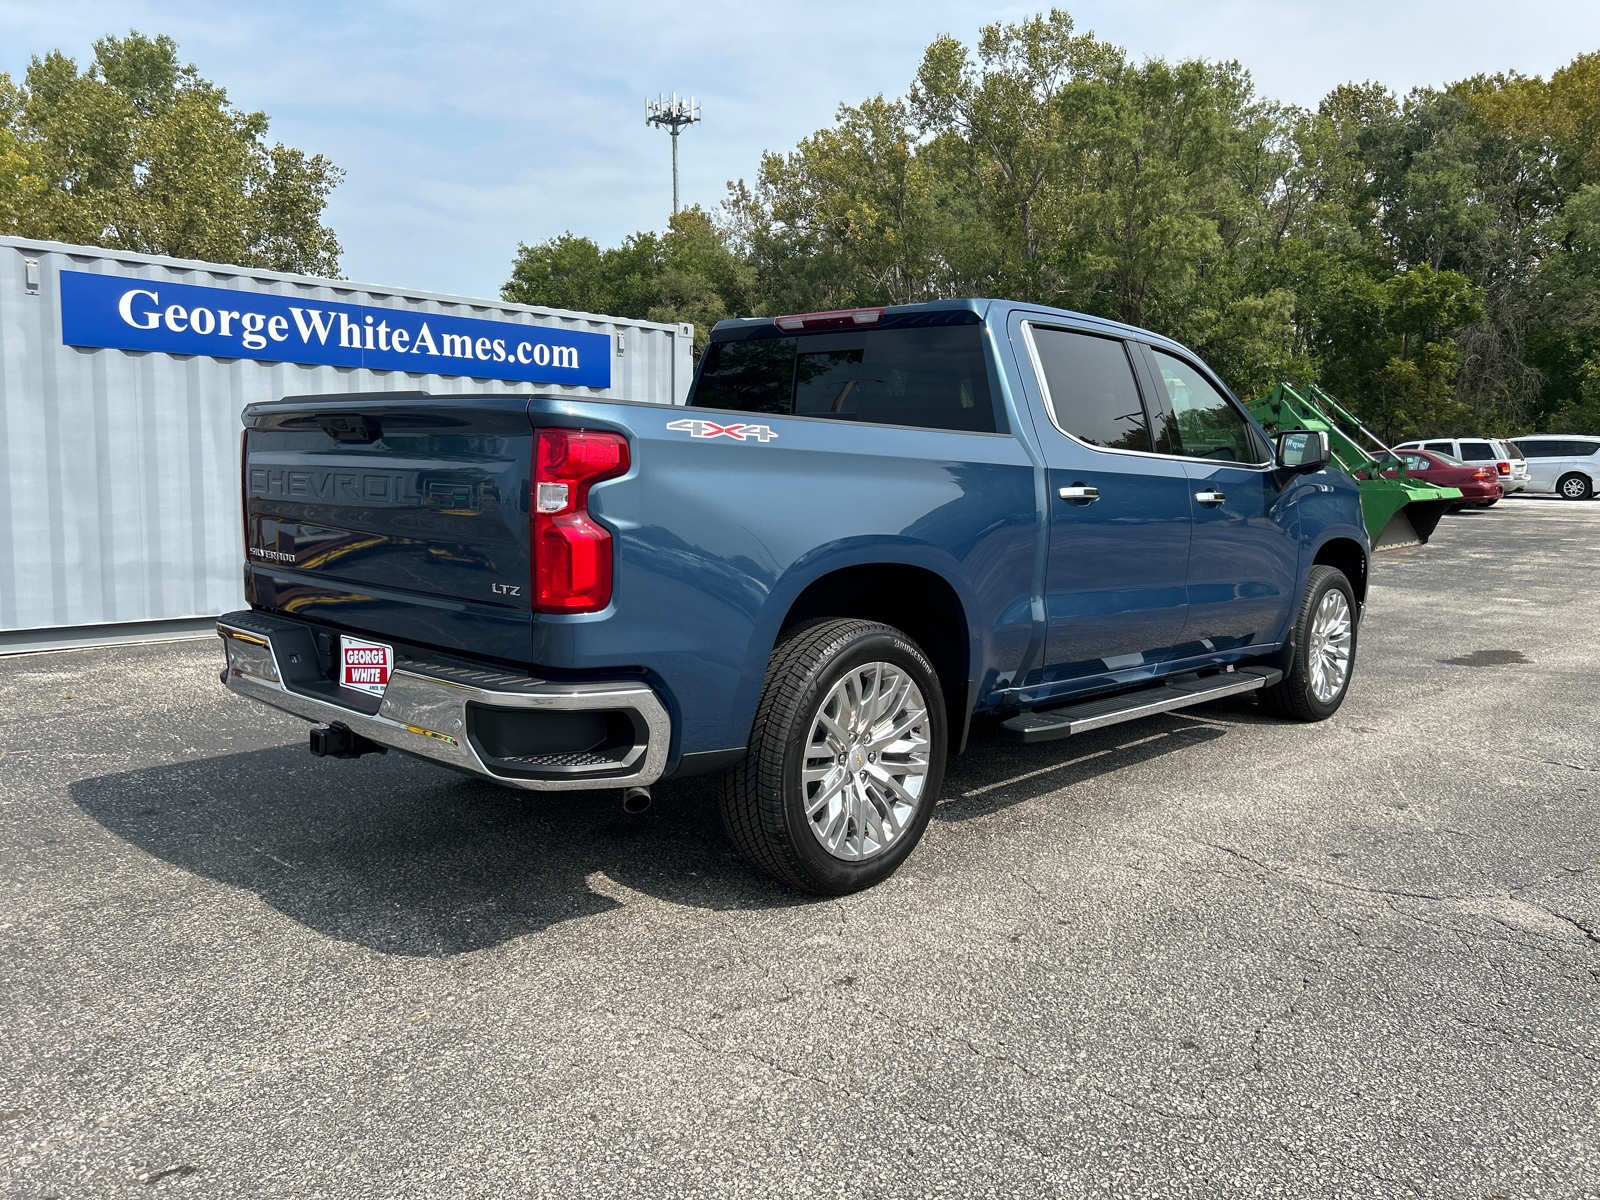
x=1479, y=484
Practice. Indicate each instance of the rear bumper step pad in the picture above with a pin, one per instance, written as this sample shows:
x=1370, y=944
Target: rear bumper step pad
x=1051, y=723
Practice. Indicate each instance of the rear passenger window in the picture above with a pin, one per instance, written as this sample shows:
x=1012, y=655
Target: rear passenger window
x=1209, y=426
x=1092, y=393
x=1544, y=449
x=934, y=377
x=1476, y=451
x=1440, y=447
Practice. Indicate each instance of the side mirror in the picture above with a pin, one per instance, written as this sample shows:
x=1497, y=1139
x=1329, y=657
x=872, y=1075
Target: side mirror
x=1304, y=451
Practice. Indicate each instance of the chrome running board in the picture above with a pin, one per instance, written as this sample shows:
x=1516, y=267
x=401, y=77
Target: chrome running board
x=1051, y=723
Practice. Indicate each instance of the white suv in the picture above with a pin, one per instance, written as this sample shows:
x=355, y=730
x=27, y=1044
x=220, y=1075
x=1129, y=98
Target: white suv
x=1509, y=463
x=1562, y=463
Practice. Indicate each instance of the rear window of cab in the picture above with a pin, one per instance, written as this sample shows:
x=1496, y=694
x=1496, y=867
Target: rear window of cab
x=930, y=378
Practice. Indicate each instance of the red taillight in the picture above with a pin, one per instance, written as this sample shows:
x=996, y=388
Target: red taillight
x=840, y=318
x=1480, y=473
x=1504, y=468
x=571, y=552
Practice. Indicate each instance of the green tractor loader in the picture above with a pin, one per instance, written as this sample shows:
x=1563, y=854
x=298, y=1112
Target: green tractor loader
x=1398, y=511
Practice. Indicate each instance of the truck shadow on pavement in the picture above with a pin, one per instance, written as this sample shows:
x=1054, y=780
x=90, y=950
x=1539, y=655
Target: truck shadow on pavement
x=994, y=774
x=406, y=858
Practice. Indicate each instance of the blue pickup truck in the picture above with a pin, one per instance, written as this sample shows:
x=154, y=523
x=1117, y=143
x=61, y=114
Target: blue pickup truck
x=864, y=528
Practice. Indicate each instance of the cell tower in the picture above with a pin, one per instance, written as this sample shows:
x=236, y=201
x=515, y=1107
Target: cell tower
x=672, y=115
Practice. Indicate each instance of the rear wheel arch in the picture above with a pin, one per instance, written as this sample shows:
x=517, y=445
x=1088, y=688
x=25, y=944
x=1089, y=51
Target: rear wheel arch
x=1575, y=485
x=918, y=601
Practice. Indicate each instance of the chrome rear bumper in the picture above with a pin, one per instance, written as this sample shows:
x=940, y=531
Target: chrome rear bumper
x=425, y=709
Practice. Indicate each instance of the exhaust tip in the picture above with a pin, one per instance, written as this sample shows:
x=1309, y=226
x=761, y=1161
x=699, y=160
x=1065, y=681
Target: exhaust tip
x=635, y=799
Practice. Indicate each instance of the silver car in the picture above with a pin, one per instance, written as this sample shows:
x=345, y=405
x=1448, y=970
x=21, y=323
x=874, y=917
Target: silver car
x=1566, y=464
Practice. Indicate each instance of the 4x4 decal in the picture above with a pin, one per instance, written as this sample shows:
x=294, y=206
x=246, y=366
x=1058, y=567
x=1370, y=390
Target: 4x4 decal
x=710, y=429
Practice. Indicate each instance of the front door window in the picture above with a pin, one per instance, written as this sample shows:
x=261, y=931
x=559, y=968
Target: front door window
x=1115, y=593
x=1204, y=423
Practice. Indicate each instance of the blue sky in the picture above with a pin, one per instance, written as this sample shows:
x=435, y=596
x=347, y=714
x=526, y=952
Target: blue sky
x=466, y=128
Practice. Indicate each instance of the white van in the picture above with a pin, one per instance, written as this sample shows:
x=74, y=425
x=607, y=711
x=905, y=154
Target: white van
x=1562, y=463
x=1509, y=462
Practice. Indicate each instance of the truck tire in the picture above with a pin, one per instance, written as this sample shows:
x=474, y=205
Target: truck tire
x=1324, y=656
x=846, y=758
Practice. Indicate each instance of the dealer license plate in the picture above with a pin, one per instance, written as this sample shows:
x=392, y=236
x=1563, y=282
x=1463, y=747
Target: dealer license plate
x=365, y=666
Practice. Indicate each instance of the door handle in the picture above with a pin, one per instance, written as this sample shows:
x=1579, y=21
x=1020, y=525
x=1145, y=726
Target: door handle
x=1210, y=497
x=1080, y=494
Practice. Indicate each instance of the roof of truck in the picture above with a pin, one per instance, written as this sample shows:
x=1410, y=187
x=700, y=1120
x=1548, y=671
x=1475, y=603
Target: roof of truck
x=941, y=312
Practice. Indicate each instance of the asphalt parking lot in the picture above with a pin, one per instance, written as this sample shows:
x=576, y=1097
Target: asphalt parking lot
x=1210, y=954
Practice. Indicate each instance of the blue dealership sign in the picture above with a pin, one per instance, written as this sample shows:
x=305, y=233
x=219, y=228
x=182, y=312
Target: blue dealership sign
x=119, y=313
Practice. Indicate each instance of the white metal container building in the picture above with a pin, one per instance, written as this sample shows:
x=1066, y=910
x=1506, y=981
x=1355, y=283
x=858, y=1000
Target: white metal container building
x=119, y=466
x=119, y=463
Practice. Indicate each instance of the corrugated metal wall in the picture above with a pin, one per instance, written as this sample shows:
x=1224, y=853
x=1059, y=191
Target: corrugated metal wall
x=119, y=470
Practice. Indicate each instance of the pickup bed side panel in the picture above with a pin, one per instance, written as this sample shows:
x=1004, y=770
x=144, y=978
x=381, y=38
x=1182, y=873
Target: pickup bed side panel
x=718, y=535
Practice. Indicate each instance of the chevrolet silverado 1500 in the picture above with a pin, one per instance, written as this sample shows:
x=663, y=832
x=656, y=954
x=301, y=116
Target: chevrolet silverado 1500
x=864, y=528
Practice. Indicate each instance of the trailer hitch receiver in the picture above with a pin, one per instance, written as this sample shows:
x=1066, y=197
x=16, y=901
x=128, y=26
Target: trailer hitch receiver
x=339, y=741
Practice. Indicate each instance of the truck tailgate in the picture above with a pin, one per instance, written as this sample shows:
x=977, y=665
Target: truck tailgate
x=403, y=517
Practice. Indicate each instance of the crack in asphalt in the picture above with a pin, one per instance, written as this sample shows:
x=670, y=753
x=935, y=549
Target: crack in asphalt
x=1322, y=879
x=1571, y=922
x=1518, y=1037
x=1578, y=927
x=1358, y=938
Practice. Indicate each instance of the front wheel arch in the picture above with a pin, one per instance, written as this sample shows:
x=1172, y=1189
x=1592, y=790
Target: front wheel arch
x=1349, y=557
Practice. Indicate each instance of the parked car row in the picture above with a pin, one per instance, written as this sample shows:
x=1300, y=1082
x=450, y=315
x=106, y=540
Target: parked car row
x=1502, y=458
x=1564, y=464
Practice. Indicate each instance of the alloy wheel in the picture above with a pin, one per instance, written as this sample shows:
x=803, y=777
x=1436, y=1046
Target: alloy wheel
x=866, y=761
x=1332, y=636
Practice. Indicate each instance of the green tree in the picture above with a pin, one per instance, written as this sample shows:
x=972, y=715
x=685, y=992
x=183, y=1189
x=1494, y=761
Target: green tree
x=1010, y=121
x=573, y=273
x=1433, y=259
x=854, y=215
x=691, y=273
x=1547, y=135
x=1567, y=342
x=140, y=153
